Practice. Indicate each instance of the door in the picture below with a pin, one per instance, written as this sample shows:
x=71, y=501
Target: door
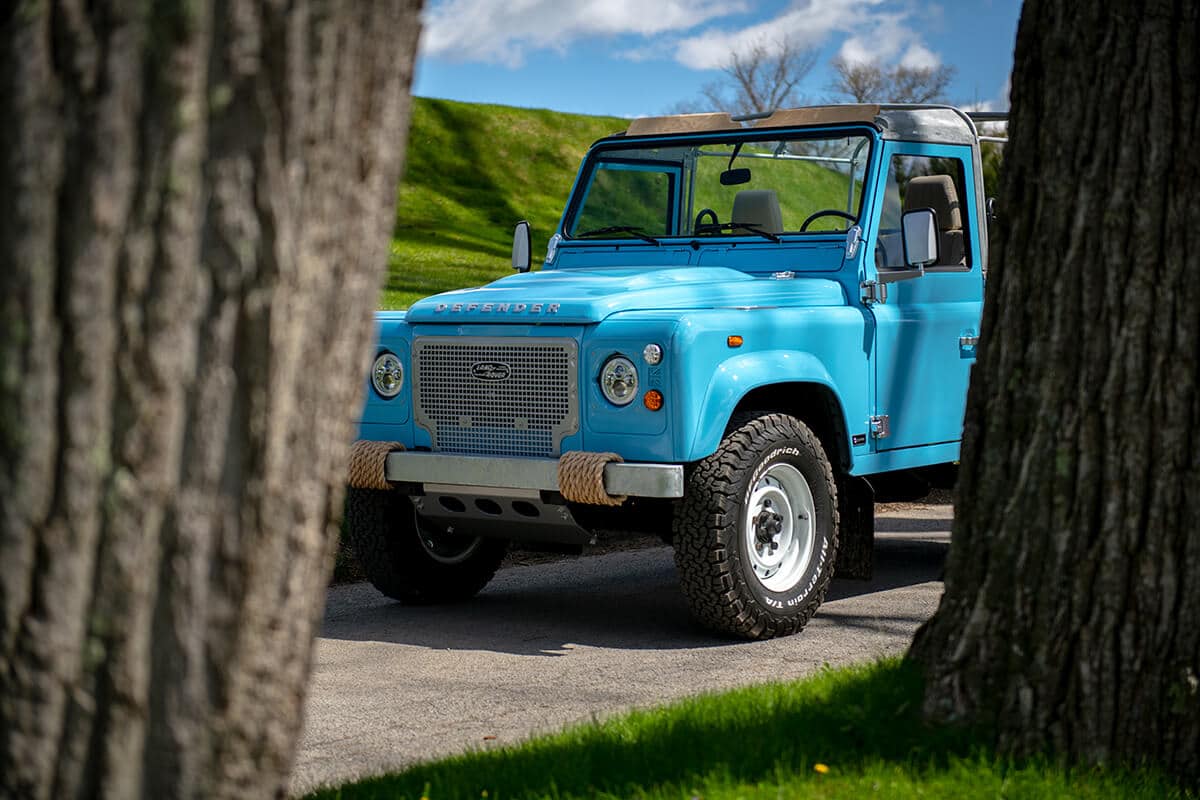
x=926, y=329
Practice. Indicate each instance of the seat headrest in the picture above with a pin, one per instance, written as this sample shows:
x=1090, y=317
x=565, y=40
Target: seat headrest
x=758, y=207
x=936, y=192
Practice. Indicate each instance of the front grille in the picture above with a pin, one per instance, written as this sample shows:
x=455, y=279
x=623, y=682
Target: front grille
x=499, y=397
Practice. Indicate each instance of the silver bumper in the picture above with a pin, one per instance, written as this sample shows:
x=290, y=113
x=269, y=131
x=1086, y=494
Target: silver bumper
x=502, y=474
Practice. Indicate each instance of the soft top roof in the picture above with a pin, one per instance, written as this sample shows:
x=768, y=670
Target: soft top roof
x=942, y=124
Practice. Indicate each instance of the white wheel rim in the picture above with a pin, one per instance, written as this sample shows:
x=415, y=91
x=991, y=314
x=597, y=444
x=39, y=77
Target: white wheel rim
x=779, y=527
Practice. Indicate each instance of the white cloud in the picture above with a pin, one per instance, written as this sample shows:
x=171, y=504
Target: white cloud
x=918, y=56
x=807, y=23
x=502, y=31
x=880, y=38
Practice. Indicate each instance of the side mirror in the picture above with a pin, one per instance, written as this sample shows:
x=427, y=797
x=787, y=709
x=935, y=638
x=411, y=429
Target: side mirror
x=920, y=232
x=991, y=209
x=521, y=247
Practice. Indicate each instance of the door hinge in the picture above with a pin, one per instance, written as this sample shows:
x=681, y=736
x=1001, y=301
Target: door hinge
x=880, y=426
x=873, y=292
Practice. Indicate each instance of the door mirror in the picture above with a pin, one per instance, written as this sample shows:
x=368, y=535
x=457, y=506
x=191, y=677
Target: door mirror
x=521, y=247
x=920, y=231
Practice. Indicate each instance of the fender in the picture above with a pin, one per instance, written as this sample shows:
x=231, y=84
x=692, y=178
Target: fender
x=739, y=375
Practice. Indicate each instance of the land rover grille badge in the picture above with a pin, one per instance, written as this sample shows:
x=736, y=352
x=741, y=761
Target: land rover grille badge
x=491, y=371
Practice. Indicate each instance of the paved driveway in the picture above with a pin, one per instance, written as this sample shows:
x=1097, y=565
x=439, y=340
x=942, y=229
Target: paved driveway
x=548, y=645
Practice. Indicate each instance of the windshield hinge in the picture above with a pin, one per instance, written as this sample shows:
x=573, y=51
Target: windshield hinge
x=853, y=237
x=873, y=292
x=880, y=426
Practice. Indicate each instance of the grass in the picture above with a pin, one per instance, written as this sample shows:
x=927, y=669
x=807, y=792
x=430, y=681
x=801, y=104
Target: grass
x=851, y=732
x=472, y=172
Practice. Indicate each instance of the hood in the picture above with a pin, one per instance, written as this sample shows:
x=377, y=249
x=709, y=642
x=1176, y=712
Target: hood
x=574, y=296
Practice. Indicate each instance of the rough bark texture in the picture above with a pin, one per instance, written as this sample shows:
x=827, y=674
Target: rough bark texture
x=1071, y=618
x=195, y=200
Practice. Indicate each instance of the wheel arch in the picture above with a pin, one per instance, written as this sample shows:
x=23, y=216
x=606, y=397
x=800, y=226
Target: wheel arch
x=787, y=382
x=814, y=404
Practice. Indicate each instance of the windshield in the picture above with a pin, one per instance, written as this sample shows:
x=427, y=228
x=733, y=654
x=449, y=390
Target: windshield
x=721, y=187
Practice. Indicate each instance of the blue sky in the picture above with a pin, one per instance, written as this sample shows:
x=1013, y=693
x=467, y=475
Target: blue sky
x=642, y=57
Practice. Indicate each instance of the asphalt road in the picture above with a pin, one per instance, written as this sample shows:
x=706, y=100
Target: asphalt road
x=549, y=645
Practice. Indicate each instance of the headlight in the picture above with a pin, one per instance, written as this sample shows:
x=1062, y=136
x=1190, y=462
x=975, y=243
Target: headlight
x=387, y=376
x=619, y=381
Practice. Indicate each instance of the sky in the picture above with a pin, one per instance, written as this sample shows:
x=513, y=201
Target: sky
x=633, y=58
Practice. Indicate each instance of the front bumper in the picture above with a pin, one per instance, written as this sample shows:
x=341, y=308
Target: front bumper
x=498, y=475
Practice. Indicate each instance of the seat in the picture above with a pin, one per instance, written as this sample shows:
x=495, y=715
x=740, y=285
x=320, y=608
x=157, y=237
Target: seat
x=938, y=192
x=757, y=207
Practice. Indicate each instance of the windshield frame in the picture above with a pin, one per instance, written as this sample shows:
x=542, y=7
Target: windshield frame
x=684, y=194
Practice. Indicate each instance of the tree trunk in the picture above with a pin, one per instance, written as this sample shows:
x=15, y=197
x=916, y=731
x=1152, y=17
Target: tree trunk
x=195, y=202
x=1071, y=619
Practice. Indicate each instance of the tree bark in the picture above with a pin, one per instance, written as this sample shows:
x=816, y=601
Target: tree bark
x=1071, y=618
x=195, y=203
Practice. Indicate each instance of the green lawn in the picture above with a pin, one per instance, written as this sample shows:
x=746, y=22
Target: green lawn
x=853, y=732
x=471, y=173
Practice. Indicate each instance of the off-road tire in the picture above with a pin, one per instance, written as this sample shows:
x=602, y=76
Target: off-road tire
x=382, y=528
x=711, y=551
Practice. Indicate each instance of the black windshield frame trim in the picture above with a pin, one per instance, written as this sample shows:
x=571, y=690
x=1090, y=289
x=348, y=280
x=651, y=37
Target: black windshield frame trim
x=616, y=143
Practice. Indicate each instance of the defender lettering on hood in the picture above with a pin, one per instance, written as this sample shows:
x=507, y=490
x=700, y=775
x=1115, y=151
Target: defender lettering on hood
x=497, y=308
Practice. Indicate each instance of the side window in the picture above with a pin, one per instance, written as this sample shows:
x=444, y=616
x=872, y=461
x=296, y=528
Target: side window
x=924, y=182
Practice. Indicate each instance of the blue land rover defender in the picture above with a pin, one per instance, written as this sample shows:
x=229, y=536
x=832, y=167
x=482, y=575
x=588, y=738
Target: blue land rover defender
x=744, y=329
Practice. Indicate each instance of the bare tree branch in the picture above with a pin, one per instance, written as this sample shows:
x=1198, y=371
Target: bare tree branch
x=763, y=78
x=870, y=82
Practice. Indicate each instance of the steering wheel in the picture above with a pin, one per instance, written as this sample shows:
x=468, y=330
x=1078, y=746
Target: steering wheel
x=826, y=212
x=701, y=227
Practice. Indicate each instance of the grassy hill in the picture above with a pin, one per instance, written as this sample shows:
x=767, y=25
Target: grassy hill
x=472, y=172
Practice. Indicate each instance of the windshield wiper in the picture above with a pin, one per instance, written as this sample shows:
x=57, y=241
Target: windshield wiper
x=748, y=226
x=631, y=230
x=742, y=226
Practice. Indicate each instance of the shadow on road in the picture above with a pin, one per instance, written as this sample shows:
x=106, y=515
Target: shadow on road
x=621, y=600
x=626, y=600
x=900, y=559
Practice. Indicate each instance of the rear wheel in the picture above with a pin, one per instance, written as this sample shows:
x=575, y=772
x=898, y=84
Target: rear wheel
x=410, y=560
x=756, y=533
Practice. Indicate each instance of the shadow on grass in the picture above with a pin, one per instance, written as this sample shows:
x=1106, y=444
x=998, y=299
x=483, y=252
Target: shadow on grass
x=461, y=169
x=845, y=719
x=842, y=733
x=453, y=242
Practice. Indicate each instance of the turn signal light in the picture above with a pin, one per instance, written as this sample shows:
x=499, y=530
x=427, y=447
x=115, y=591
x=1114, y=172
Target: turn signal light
x=734, y=341
x=653, y=400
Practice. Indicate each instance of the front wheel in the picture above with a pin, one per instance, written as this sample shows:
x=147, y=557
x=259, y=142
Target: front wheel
x=756, y=533
x=408, y=559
